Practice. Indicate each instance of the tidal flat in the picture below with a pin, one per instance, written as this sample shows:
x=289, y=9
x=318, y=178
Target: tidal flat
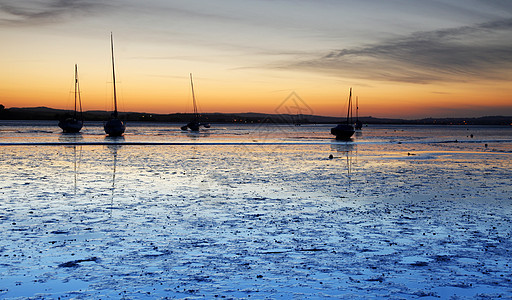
x=256, y=212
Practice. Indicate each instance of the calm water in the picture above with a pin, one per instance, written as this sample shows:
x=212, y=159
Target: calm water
x=255, y=211
x=47, y=131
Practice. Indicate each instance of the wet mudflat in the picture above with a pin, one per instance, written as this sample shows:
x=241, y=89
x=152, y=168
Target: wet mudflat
x=406, y=219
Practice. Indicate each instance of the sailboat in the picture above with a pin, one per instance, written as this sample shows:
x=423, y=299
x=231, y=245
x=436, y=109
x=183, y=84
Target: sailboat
x=343, y=131
x=358, y=125
x=72, y=124
x=114, y=126
x=195, y=124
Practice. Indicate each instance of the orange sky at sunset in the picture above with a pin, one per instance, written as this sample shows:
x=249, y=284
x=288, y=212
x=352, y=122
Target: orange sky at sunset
x=406, y=59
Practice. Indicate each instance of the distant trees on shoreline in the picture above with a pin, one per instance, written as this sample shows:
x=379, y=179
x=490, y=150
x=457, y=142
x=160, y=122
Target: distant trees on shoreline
x=45, y=113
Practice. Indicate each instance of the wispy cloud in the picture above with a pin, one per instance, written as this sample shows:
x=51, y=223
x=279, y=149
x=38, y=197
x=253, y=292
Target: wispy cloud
x=23, y=12
x=482, y=51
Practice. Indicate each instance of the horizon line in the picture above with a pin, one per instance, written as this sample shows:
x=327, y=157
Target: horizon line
x=275, y=114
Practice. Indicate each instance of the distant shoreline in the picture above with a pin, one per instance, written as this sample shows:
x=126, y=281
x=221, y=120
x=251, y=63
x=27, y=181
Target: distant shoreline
x=45, y=113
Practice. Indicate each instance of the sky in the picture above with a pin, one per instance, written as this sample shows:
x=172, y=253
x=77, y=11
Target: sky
x=402, y=59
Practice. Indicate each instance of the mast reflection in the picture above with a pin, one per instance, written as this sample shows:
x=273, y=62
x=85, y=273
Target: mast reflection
x=114, y=148
x=77, y=153
x=344, y=151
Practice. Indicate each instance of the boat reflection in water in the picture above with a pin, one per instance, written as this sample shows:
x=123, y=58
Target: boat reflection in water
x=77, y=158
x=114, y=148
x=196, y=134
x=71, y=138
x=344, y=151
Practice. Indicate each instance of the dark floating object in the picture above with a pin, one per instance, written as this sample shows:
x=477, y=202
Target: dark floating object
x=195, y=124
x=114, y=126
x=419, y=264
x=344, y=131
x=312, y=249
x=330, y=156
x=59, y=232
x=75, y=263
x=378, y=279
x=73, y=124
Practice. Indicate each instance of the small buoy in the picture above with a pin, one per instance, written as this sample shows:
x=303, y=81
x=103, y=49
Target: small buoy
x=330, y=156
x=485, y=145
x=471, y=135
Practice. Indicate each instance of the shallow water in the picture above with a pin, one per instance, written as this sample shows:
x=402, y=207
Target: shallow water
x=259, y=211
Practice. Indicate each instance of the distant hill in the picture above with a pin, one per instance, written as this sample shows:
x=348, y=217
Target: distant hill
x=45, y=113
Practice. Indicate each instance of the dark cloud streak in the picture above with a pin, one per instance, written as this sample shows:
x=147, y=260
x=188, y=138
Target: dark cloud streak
x=483, y=51
x=44, y=12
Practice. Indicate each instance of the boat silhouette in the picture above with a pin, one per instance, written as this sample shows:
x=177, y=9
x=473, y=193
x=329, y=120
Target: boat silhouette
x=73, y=124
x=345, y=130
x=195, y=123
x=114, y=126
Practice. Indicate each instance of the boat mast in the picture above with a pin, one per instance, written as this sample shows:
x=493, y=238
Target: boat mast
x=76, y=87
x=113, y=75
x=349, y=106
x=79, y=95
x=196, y=114
x=357, y=109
